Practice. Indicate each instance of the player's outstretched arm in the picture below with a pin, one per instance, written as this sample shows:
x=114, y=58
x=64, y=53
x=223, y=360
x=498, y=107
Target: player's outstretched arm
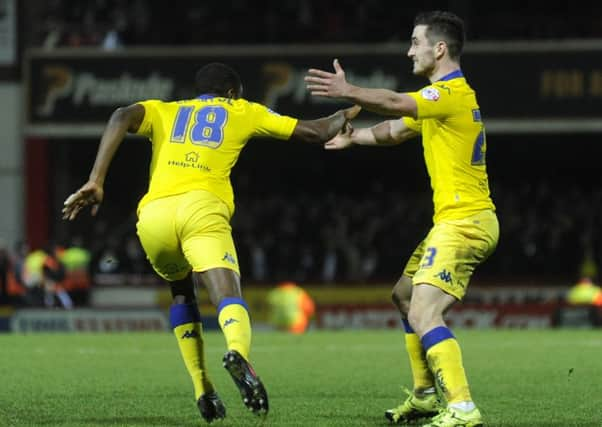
x=390, y=132
x=122, y=120
x=381, y=101
x=321, y=130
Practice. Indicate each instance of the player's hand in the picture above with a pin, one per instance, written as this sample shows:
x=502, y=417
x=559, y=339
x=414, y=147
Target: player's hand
x=342, y=140
x=90, y=194
x=351, y=112
x=323, y=83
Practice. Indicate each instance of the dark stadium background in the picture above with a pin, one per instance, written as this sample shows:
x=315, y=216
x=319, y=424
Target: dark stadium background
x=340, y=224
x=303, y=206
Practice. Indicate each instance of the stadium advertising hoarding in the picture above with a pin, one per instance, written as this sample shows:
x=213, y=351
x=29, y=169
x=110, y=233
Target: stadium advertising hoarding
x=556, y=85
x=88, y=320
x=463, y=316
x=469, y=316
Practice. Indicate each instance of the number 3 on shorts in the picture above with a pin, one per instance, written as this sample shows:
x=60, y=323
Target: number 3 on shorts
x=429, y=257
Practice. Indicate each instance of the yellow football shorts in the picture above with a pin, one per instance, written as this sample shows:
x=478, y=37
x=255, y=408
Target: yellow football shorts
x=448, y=255
x=189, y=231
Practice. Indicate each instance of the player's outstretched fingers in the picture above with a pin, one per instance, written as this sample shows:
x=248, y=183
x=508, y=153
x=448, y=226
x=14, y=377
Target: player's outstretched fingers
x=314, y=72
x=337, y=66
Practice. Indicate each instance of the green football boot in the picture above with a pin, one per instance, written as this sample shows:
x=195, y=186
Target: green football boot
x=415, y=408
x=451, y=417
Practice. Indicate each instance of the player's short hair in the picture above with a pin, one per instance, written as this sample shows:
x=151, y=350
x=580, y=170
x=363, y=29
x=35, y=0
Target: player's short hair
x=217, y=78
x=444, y=26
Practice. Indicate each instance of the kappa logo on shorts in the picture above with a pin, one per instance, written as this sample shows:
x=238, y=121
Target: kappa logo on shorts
x=228, y=257
x=445, y=276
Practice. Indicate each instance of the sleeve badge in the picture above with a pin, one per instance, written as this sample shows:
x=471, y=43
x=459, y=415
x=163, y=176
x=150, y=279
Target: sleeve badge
x=430, y=93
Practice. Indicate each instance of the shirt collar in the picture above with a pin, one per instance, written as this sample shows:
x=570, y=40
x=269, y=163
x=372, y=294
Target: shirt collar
x=453, y=75
x=206, y=96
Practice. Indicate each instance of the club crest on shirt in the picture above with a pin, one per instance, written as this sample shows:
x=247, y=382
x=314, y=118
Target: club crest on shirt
x=430, y=93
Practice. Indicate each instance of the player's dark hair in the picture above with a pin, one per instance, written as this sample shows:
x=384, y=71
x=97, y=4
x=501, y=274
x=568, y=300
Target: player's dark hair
x=217, y=78
x=444, y=26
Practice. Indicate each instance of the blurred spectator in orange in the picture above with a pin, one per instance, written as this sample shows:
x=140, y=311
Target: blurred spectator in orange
x=76, y=261
x=53, y=278
x=291, y=308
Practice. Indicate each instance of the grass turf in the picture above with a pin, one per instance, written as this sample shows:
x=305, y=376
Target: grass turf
x=347, y=378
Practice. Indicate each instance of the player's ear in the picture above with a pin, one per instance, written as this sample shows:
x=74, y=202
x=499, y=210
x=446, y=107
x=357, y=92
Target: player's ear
x=234, y=94
x=440, y=49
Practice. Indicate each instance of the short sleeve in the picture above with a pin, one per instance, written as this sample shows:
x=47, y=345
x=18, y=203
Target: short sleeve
x=150, y=110
x=272, y=124
x=435, y=101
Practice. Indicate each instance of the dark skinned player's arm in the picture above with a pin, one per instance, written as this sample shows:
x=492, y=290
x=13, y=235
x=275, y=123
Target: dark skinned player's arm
x=321, y=130
x=123, y=120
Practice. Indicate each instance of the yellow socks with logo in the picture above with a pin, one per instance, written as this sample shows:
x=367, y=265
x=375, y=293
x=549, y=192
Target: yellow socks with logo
x=422, y=375
x=186, y=323
x=445, y=360
x=233, y=317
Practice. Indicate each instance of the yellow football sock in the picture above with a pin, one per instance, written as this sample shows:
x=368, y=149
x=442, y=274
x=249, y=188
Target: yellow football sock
x=233, y=317
x=422, y=375
x=445, y=360
x=185, y=321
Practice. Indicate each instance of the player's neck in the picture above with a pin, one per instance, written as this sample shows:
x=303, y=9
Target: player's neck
x=443, y=70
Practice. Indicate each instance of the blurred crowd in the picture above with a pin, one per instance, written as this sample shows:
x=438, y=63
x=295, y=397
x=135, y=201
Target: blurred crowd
x=52, y=276
x=336, y=238
x=544, y=233
x=115, y=23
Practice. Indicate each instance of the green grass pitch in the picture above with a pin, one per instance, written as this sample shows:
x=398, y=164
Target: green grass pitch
x=348, y=378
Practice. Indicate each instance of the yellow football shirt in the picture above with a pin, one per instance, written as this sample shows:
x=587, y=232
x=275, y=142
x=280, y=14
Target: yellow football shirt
x=196, y=142
x=454, y=143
